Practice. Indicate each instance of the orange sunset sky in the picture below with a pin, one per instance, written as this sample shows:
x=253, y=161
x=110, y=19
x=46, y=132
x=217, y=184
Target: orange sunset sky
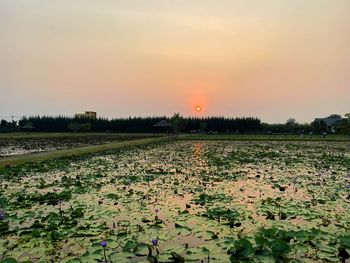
x=272, y=59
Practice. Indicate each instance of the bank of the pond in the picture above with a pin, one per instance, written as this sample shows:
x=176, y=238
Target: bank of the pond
x=265, y=137
x=43, y=156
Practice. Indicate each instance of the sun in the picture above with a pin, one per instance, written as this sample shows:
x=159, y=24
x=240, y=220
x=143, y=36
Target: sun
x=198, y=108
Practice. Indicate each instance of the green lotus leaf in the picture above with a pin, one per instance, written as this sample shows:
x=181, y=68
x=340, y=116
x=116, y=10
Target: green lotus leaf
x=142, y=249
x=8, y=260
x=130, y=246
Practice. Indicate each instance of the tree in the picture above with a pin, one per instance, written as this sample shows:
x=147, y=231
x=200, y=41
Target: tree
x=344, y=127
x=319, y=126
x=4, y=125
x=85, y=126
x=291, y=122
x=291, y=125
x=203, y=126
x=74, y=126
x=28, y=127
x=178, y=122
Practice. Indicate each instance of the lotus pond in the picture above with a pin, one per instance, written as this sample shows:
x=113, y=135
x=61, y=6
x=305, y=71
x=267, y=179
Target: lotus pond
x=182, y=201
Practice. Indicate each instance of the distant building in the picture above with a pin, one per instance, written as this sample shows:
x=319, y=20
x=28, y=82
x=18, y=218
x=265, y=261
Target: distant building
x=86, y=115
x=330, y=121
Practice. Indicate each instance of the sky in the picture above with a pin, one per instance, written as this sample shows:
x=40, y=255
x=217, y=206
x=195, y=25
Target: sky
x=272, y=59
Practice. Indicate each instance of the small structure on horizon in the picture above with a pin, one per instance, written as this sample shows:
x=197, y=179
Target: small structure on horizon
x=331, y=120
x=330, y=123
x=163, y=126
x=86, y=115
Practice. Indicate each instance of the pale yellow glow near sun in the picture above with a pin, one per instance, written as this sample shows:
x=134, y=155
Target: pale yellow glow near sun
x=198, y=108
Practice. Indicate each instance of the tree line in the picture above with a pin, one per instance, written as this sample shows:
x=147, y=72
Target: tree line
x=131, y=124
x=179, y=124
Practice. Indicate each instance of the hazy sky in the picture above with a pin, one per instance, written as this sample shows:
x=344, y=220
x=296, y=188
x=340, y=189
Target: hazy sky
x=273, y=59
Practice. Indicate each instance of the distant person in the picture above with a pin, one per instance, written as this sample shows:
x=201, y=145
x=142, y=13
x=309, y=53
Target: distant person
x=324, y=135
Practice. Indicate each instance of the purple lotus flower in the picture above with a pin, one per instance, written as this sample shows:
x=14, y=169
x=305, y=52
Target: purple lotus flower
x=2, y=215
x=155, y=242
x=103, y=243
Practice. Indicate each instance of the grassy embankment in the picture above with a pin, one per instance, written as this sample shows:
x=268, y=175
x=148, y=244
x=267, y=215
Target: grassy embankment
x=272, y=137
x=37, y=157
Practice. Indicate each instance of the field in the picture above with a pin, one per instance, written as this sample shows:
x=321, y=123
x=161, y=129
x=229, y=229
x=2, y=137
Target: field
x=18, y=144
x=182, y=201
